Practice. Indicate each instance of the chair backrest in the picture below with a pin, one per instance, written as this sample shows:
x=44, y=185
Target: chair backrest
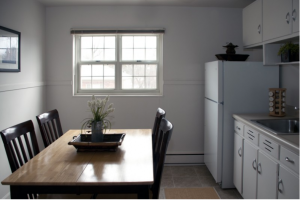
x=50, y=126
x=17, y=152
x=160, y=113
x=165, y=133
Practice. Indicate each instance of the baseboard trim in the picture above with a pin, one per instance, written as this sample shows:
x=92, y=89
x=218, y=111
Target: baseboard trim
x=20, y=86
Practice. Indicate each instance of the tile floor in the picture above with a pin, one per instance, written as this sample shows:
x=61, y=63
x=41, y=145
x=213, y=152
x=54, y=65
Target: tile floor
x=193, y=176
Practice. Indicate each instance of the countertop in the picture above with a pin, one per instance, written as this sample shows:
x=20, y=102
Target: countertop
x=290, y=142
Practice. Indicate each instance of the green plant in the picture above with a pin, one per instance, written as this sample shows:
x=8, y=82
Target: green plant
x=100, y=113
x=289, y=46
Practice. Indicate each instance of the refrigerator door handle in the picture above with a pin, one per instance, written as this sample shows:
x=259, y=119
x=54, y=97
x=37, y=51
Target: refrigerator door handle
x=214, y=101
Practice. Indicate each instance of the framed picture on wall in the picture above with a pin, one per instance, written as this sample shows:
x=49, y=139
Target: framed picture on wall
x=10, y=46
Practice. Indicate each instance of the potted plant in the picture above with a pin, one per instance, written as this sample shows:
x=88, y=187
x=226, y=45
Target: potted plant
x=99, y=119
x=289, y=52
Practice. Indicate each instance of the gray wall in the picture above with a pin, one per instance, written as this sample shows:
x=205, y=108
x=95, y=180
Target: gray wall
x=22, y=95
x=289, y=78
x=193, y=36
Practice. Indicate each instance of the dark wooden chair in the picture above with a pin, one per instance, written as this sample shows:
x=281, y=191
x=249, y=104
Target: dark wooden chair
x=50, y=126
x=160, y=113
x=164, y=136
x=19, y=152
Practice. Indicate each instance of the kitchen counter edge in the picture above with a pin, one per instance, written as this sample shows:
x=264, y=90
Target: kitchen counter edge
x=290, y=142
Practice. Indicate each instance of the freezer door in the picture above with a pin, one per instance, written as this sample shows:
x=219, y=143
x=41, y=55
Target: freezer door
x=214, y=81
x=213, y=113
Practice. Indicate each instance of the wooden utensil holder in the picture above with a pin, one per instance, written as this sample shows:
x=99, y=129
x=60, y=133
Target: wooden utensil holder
x=277, y=101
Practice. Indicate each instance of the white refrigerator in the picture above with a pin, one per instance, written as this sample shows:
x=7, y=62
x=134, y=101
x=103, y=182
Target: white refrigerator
x=231, y=88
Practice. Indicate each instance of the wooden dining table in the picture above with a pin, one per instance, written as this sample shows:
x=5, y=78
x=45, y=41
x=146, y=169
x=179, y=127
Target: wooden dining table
x=60, y=169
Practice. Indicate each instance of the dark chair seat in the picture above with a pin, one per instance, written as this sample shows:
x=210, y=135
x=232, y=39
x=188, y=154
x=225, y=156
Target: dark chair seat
x=50, y=126
x=164, y=136
x=160, y=113
x=19, y=152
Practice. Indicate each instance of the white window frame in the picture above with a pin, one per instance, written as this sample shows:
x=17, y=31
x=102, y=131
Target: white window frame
x=118, y=91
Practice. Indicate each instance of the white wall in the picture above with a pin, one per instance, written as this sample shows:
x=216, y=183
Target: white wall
x=193, y=36
x=289, y=79
x=22, y=95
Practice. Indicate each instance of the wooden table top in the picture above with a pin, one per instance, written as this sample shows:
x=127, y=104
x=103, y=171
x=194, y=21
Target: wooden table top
x=61, y=164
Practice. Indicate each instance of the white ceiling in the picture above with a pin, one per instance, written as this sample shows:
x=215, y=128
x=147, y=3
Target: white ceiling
x=189, y=3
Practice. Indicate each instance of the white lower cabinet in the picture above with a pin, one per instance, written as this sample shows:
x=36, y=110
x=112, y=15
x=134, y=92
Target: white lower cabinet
x=261, y=173
x=288, y=184
x=267, y=170
x=249, y=170
x=238, y=163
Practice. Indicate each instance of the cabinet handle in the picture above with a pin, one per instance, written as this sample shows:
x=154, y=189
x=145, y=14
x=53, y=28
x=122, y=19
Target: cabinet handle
x=240, y=151
x=294, y=16
x=258, y=29
x=238, y=128
x=254, y=161
x=280, y=183
x=259, y=166
x=289, y=160
x=287, y=18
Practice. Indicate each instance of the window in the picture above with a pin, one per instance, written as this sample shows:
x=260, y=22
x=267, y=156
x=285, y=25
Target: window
x=8, y=49
x=118, y=63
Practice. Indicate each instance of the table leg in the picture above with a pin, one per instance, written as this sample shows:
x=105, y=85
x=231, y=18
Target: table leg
x=143, y=192
x=15, y=193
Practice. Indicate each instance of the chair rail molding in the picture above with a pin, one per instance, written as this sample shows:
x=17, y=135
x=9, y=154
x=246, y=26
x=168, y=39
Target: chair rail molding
x=21, y=86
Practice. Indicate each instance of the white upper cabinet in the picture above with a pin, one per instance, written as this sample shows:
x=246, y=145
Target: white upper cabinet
x=252, y=23
x=277, y=18
x=295, y=16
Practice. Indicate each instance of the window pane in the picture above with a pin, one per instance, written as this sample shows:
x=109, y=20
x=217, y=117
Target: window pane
x=139, y=82
x=2, y=54
x=127, y=54
x=139, y=54
x=14, y=42
x=109, y=82
x=151, y=82
x=109, y=70
x=139, y=70
x=139, y=42
x=150, y=54
x=86, y=54
x=97, y=82
x=98, y=42
x=86, y=42
x=4, y=42
x=151, y=70
x=98, y=54
x=127, y=82
x=97, y=70
x=127, y=42
x=109, y=54
x=151, y=42
x=86, y=70
x=86, y=83
x=109, y=42
x=127, y=70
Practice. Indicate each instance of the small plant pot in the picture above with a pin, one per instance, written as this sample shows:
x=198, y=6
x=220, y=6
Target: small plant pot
x=288, y=56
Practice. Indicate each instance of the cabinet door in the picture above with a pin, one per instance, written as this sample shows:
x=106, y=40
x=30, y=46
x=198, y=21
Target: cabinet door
x=295, y=16
x=288, y=185
x=267, y=170
x=238, y=162
x=252, y=23
x=249, y=170
x=277, y=18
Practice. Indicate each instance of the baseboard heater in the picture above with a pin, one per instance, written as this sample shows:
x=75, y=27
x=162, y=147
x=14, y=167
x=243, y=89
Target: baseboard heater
x=184, y=159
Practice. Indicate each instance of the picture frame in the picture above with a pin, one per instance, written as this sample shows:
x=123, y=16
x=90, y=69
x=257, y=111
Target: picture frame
x=10, y=48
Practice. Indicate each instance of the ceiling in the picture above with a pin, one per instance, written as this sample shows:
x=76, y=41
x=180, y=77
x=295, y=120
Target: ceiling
x=188, y=3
